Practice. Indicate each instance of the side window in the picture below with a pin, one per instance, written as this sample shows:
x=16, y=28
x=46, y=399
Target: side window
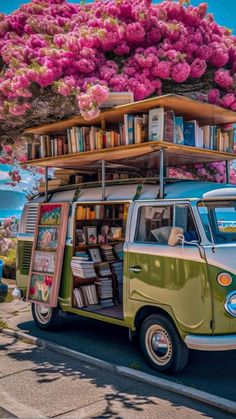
x=155, y=223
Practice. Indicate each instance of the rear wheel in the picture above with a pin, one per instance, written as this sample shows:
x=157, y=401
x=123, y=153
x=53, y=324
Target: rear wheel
x=46, y=317
x=162, y=345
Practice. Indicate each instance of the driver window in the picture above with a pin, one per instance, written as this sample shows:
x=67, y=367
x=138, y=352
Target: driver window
x=155, y=223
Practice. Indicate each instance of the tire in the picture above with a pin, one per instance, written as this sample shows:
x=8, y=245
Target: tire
x=46, y=318
x=172, y=355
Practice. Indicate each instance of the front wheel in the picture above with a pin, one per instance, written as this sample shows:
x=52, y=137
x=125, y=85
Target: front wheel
x=46, y=318
x=162, y=345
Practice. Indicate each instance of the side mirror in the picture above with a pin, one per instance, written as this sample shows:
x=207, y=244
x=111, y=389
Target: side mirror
x=176, y=236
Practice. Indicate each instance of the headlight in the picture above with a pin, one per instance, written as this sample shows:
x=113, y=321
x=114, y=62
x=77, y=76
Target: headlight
x=230, y=303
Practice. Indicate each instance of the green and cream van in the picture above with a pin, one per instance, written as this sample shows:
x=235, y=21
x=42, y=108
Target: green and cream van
x=178, y=288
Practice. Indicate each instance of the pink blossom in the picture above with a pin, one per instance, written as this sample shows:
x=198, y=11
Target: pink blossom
x=180, y=72
x=198, y=68
x=228, y=100
x=7, y=149
x=162, y=70
x=213, y=96
x=223, y=78
x=135, y=33
x=99, y=93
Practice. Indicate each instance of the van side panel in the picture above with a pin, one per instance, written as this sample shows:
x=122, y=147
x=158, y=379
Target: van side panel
x=179, y=284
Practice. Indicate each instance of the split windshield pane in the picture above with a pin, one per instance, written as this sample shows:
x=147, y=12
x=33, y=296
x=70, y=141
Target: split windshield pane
x=219, y=220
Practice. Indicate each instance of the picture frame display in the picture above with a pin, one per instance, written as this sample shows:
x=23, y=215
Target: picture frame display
x=95, y=255
x=47, y=254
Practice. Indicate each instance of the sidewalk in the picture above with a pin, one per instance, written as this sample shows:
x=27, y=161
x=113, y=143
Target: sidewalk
x=36, y=382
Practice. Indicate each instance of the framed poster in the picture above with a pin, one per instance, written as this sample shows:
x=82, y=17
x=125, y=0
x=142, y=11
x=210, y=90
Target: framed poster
x=47, y=253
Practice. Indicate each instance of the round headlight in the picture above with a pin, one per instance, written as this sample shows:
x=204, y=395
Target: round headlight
x=230, y=303
x=224, y=279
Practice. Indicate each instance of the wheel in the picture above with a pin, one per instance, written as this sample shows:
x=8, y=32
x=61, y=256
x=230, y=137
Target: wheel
x=46, y=318
x=162, y=345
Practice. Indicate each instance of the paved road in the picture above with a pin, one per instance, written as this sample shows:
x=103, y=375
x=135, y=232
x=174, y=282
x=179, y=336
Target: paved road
x=207, y=371
x=37, y=383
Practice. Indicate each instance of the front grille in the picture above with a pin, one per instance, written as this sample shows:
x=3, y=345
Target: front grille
x=24, y=254
x=31, y=218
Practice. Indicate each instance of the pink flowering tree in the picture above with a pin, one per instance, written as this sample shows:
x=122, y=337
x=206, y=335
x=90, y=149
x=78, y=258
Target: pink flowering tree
x=14, y=156
x=59, y=58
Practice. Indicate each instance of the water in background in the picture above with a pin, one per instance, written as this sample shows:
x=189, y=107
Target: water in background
x=11, y=204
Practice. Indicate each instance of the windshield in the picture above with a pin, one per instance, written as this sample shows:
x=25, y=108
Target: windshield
x=219, y=220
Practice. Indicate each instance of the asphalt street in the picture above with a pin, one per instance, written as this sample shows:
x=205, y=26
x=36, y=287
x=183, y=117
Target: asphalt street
x=39, y=383
x=213, y=372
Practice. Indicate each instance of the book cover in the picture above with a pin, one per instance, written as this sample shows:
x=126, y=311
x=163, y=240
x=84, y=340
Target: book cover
x=189, y=133
x=43, y=152
x=169, y=126
x=206, y=137
x=129, y=128
x=59, y=146
x=156, y=124
x=179, y=130
x=68, y=133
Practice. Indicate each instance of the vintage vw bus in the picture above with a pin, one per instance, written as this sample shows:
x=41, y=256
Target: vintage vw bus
x=174, y=283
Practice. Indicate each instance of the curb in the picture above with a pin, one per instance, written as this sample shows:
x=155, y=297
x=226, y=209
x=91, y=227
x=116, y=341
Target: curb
x=197, y=395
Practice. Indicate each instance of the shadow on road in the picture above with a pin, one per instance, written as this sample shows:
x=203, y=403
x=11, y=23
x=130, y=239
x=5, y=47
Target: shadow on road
x=213, y=372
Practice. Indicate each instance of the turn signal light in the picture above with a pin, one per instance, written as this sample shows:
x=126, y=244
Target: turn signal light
x=224, y=279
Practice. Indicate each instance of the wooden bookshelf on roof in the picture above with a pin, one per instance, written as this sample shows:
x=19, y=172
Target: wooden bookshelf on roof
x=144, y=154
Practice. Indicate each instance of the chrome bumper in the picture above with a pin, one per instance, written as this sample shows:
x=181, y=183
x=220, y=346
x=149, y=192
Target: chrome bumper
x=211, y=343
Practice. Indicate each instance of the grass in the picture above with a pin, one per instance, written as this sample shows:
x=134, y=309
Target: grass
x=3, y=324
x=134, y=365
x=8, y=298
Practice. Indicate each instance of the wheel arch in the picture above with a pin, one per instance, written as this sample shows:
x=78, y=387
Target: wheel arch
x=147, y=310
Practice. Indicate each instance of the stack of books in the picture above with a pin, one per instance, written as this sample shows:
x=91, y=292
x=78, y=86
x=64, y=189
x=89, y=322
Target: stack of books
x=52, y=184
x=117, y=269
x=118, y=250
x=107, y=253
x=105, y=291
x=89, y=293
x=104, y=269
x=86, y=296
x=78, y=297
x=82, y=268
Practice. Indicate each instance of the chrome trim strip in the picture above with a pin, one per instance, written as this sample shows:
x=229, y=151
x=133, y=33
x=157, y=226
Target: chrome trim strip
x=211, y=343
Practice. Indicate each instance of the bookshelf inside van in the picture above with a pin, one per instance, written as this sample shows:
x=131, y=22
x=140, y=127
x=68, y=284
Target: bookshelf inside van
x=97, y=264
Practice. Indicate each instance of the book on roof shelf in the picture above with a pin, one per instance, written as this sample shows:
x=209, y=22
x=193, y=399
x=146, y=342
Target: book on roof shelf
x=179, y=130
x=118, y=98
x=169, y=126
x=156, y=125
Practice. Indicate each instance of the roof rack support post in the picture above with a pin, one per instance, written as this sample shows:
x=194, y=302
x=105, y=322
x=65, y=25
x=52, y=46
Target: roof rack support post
x=46, y=184
x=227, y=171
x=103, y=180
x=161, y=173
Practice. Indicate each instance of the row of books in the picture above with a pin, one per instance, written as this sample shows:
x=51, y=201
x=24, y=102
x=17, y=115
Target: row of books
x=157, y=125
x=100, y=212
x=85, y=296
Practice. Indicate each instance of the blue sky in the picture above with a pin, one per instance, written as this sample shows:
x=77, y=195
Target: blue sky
x=223, y=10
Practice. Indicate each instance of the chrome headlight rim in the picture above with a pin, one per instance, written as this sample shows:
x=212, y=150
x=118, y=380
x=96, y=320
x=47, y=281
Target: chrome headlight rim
x=228, y=308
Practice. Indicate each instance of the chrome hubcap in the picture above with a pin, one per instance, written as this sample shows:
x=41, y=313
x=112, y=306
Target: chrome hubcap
x=158, y=344
x=43, y=313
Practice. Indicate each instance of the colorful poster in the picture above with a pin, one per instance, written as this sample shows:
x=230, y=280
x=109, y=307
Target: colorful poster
x=50, y=214
x=47, y=254
x=44, y=262
x=40, y=287
x=47, y=239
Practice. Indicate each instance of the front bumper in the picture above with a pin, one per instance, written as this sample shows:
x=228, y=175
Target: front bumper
x=211, y=343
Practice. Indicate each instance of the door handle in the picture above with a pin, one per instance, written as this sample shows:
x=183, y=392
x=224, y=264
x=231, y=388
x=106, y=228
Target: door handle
x=136, y=269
